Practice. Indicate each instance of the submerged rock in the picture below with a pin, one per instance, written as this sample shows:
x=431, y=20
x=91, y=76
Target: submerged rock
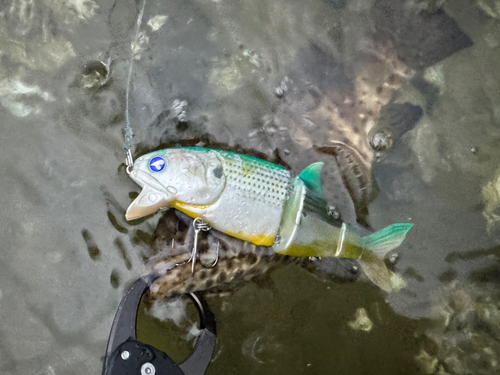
x=466, y=329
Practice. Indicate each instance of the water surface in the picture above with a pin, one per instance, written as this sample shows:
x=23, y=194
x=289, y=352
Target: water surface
x=208, y=70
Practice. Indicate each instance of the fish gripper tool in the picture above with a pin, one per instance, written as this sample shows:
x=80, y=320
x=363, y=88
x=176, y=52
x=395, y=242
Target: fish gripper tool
x=125, y=355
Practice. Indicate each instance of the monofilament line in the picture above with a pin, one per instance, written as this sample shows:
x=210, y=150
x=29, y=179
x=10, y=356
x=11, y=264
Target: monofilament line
x=129, y=132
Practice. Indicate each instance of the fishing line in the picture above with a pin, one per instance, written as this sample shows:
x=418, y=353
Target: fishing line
x=128, y=143
x=128, y=131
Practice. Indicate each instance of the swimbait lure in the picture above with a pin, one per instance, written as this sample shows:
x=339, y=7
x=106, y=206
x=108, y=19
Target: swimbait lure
x=259, y=202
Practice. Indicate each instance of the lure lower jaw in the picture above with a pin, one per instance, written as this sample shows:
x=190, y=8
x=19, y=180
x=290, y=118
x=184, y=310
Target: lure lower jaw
x=147, y=203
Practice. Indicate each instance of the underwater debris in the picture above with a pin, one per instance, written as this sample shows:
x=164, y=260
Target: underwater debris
x=427, y=362
x=466, y=329
x=157, y=21
x=361, y=321
x=95, y=74
x=491, y=198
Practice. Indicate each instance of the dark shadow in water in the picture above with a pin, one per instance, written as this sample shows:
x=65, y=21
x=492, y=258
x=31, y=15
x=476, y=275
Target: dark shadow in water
x=488, y=274
x=422, y=36
x=428, y=90
x=473, y=254
x=94, y=252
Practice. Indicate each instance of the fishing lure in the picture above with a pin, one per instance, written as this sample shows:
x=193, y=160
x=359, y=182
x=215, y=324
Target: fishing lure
x=259, y=202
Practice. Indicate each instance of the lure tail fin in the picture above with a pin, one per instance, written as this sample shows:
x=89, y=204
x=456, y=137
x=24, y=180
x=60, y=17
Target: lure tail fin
x=375, y=247
x=387, y=239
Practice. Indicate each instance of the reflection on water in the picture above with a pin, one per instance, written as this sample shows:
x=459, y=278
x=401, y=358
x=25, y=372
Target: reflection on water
x=290, y=81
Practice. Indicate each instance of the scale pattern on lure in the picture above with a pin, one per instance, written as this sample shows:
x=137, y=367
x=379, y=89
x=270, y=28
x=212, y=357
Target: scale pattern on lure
x=258, y=202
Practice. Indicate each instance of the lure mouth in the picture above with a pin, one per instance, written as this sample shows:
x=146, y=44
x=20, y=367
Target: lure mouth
x=151, y=199
x=148, y=202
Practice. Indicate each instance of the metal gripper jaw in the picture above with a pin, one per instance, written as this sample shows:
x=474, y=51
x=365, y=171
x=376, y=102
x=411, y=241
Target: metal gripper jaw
x=127, y=356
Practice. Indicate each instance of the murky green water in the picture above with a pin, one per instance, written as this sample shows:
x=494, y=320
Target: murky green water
x=207, y=71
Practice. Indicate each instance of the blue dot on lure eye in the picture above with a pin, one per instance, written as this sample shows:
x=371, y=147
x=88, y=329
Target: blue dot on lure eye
x=157, y=164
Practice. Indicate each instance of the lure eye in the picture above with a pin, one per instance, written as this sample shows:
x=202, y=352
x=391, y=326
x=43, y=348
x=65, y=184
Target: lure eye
x=157, y=164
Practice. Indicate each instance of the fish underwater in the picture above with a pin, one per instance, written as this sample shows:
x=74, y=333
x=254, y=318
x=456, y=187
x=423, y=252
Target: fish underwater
x=257, y=202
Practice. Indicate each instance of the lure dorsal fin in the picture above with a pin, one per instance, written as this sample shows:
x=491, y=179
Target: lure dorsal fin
x=311, y=176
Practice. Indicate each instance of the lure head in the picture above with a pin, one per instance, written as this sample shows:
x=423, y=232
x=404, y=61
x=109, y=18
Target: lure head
x=189, y=178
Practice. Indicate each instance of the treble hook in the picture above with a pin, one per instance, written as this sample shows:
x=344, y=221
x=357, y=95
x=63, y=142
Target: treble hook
x=200, y=225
